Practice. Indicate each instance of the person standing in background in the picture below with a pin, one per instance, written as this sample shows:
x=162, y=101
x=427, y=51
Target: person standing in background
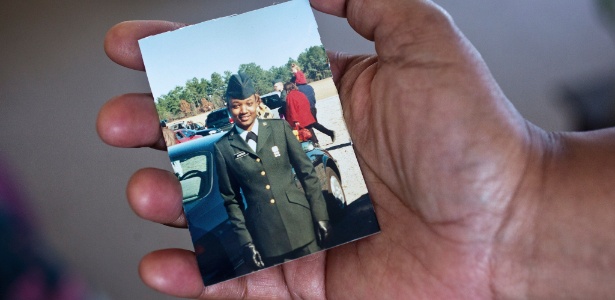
x=278, y=86
x=300, y=81
x=298, y=74
x=298, y=111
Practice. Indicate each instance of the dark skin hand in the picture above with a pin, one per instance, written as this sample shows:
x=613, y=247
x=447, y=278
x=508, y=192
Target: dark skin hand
x=473, y=201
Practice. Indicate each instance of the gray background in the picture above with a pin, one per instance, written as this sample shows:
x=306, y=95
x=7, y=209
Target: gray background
x=55, y=76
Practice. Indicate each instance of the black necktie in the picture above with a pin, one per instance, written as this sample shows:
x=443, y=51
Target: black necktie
x=252, y=136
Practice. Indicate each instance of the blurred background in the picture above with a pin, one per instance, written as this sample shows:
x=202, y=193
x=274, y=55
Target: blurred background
x=554, y=59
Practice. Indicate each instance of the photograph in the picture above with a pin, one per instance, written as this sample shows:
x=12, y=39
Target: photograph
x=484, y=132
x=255, y=134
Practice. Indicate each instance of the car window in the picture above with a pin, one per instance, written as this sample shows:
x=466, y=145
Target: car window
x=272, y=101
x=195, y=175
x=217, y=115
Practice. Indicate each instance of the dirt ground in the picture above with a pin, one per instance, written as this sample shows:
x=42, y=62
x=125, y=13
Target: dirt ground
x=330, y=115
x=324, y=88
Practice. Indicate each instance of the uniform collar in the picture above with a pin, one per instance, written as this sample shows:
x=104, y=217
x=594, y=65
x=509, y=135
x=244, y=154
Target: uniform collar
x=243, y=133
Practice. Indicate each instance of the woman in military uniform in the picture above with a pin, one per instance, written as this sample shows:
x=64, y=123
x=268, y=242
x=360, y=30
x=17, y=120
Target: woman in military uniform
x=278, y=221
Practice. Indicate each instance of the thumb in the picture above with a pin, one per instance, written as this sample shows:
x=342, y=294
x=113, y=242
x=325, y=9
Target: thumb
x=348, y=66
x=382, y=19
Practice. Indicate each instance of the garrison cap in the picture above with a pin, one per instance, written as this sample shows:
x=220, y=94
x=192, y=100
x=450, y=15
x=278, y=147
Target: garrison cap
x=240, y=86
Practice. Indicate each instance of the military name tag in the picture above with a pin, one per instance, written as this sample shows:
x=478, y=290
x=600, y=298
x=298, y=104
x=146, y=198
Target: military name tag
x=276, y=151
x=241, y=154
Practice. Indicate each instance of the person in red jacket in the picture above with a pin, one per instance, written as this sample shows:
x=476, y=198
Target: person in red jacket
x=298, y=74
x=298, y=111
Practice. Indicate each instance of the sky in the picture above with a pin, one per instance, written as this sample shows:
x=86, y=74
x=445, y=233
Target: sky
x=267, y=37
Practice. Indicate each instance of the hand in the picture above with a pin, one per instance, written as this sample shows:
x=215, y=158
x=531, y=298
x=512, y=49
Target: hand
x=324, y=228
x=473, y=201
x=252, y=257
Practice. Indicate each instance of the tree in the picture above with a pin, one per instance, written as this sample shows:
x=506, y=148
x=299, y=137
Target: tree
x=261, y=78
x=168, y=105
x=202, y=95
x=314, y=62
x=185, y=108
x=216, y=89
x=280, y=73
x=195, y=90
x=227, y=77
x=206, y=105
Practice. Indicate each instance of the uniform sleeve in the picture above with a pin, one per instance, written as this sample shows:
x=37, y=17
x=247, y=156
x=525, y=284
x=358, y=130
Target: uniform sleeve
x=307, y=176
x=229, y=189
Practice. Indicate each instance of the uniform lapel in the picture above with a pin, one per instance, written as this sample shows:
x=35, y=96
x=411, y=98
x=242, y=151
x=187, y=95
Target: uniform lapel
x=236, y=141
x=264, y=131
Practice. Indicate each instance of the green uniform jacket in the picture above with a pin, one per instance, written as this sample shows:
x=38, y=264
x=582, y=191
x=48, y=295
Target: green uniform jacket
x=279, y=216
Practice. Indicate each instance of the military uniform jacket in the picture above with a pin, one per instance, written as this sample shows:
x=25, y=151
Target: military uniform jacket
x=279, y=216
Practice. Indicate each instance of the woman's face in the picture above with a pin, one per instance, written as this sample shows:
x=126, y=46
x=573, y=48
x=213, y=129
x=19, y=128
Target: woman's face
x=244, y=112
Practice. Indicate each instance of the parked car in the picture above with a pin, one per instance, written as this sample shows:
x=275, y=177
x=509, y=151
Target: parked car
x=186, y=125
x=208, y=131
x=275, y=103
x=220, y=118
x=195, y=125
x=176, y=126
x=211, y=231
x=185, y=135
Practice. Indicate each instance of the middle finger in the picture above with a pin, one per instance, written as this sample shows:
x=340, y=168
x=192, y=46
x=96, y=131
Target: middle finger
x=130, y=121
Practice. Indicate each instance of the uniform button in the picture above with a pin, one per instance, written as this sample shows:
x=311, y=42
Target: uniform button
x=263, y=173
x=268, y=187
x=272, y=201
x=258, y=160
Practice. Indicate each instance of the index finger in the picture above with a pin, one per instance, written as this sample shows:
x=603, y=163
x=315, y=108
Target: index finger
x=122, y=40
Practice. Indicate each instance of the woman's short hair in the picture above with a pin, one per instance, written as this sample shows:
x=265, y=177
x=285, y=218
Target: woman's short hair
x=289, y=86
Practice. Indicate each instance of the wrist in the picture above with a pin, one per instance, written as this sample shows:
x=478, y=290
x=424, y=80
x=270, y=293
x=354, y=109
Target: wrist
x=514, y=243
x=558, y=241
